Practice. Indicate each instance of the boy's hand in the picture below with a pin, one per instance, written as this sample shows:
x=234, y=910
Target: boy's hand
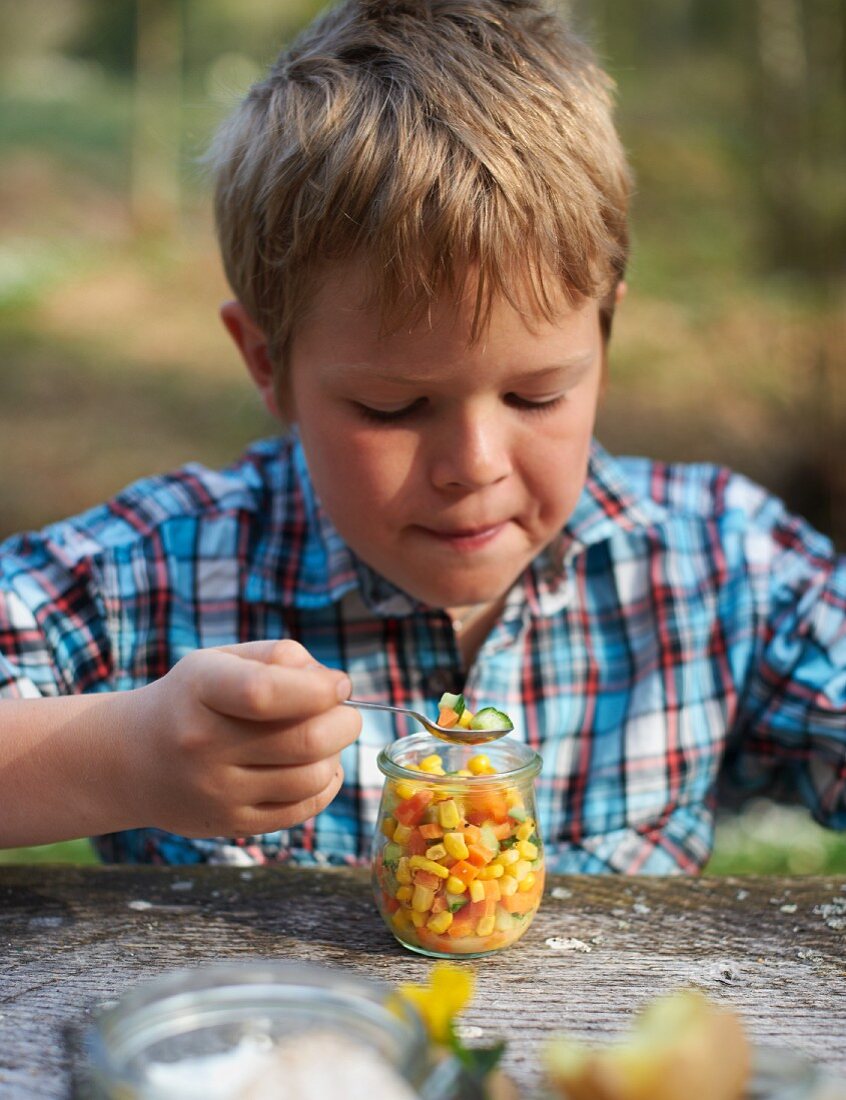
x=240, y=740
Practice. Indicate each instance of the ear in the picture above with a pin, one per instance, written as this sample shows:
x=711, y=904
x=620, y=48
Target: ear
x=252, y=344
x=620, y=291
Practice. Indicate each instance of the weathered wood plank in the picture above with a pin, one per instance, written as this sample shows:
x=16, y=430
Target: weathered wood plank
x=72, y=939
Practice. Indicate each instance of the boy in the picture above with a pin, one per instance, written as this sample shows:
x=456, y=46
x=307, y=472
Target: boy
x=422, y=214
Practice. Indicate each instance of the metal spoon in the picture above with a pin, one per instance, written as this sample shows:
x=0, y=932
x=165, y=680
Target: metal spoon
x=453, y=734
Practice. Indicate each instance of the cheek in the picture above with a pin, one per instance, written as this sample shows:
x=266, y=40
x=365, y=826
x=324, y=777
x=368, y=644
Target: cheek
x=361, y=469
x=556, y=467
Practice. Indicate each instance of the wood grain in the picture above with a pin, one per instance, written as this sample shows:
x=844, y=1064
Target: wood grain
x=74, y=939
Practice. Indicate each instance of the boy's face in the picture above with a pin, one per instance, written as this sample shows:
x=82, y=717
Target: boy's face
x=445, y=467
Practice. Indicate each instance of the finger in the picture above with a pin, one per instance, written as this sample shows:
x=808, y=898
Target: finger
x=268, y=817
x=265, y=744
x=282, y=651
x=253, y=690
x=275, y=786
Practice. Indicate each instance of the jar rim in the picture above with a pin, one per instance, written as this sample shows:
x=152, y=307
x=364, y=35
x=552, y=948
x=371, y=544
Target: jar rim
x=147, y=1012
x=529, y=767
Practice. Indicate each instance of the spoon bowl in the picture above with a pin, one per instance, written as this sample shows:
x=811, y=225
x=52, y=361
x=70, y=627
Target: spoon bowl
x=453, y=734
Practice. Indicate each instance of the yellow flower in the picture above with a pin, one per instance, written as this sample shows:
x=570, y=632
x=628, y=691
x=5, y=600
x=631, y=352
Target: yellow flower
x=449, y=991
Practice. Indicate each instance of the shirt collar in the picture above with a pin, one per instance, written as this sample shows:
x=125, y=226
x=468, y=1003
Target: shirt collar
x=318, y=569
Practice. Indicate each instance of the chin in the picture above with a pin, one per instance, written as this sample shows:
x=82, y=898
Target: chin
x=463, y=592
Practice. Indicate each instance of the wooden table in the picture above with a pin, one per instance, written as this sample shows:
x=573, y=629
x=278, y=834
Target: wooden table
x=72, y=939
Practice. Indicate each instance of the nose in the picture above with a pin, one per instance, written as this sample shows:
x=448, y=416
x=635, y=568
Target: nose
x=471, y=452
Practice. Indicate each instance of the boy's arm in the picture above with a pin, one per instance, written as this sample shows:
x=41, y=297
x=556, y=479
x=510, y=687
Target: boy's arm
x=63, y=767
x=233, y=741
x=792, y=715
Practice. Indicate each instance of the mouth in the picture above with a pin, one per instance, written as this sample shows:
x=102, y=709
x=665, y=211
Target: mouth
x=467, y=538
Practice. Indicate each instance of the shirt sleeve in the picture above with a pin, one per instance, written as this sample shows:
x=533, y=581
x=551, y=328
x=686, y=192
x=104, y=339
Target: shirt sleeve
x=792, y=713
x=53, y=636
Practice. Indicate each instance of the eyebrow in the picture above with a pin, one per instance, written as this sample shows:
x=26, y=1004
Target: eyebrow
x=571, y=366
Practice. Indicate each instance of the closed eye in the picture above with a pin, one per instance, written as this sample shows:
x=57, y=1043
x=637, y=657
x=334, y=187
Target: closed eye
x=524, y=403
x=388, y=416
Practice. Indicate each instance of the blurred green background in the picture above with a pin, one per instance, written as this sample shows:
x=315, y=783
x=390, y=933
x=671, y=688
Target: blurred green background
x=729, y=347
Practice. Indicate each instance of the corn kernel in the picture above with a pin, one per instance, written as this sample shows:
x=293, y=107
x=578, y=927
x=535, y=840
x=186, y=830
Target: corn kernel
x=520, y=869
x=492, y=870
x=388, y=826
x=507, y=857
x=525, y=830
x=403, y=893
x=418, y=919
x=477, y=890
x=422, y=898
x=527, y=850
x=527, y=883
x=513, y=798
x=448, y=814
x=406, y=788
x=479, y=764
x=440, y=922
x=455, y=885
x=456, y=845
x=432, y=765
x=485, y=926
x=402, y=834
x=508, y=886
x=420, y=863
x=403, y=872
x=436, y=852
x=400, y=918
x=465, y=773
x=465, y=719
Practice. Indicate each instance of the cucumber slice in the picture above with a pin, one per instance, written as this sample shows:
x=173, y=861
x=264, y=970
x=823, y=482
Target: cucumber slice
x=452, y=702
x=518, y=813
x=489, y=838
x=391, y=854
x=489, y=718
x=456, y=902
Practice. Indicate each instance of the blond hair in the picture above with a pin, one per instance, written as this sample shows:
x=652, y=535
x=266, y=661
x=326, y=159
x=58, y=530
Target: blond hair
x=435, y=138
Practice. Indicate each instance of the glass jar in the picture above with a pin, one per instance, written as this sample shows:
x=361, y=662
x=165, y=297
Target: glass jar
x=210, y=1032
x=458, y=864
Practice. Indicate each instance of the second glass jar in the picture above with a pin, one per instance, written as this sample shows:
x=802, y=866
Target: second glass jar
x=458, y=865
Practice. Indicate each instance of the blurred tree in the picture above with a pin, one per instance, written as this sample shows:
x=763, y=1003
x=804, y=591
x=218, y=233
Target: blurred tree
x=158, y=94
x=800, y=122
x=106, y=34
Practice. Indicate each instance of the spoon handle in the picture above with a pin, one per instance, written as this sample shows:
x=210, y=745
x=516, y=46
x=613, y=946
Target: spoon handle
x=380, y=706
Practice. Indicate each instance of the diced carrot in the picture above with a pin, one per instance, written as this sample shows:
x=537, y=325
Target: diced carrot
x=432, y=831
x=447, y=717
x=411, y=811
x=524, y=902
x=492, y=890
x=464, y=871
x=486, y=805
x=463, y=924
x=472, y=834
x=426, y=878
x=502, y=830
x=484, y=908
x=417, y=844
x=479, y=855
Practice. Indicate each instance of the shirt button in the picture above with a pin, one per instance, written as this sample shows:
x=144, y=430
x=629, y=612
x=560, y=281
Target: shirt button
x=441, y=680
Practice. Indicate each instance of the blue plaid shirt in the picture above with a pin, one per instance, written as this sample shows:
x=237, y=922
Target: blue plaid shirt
x=684, y=625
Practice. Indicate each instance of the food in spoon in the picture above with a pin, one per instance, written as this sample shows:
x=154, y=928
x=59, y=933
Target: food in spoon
x=682, y=1047
x=461, y=870
x=453, y=711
